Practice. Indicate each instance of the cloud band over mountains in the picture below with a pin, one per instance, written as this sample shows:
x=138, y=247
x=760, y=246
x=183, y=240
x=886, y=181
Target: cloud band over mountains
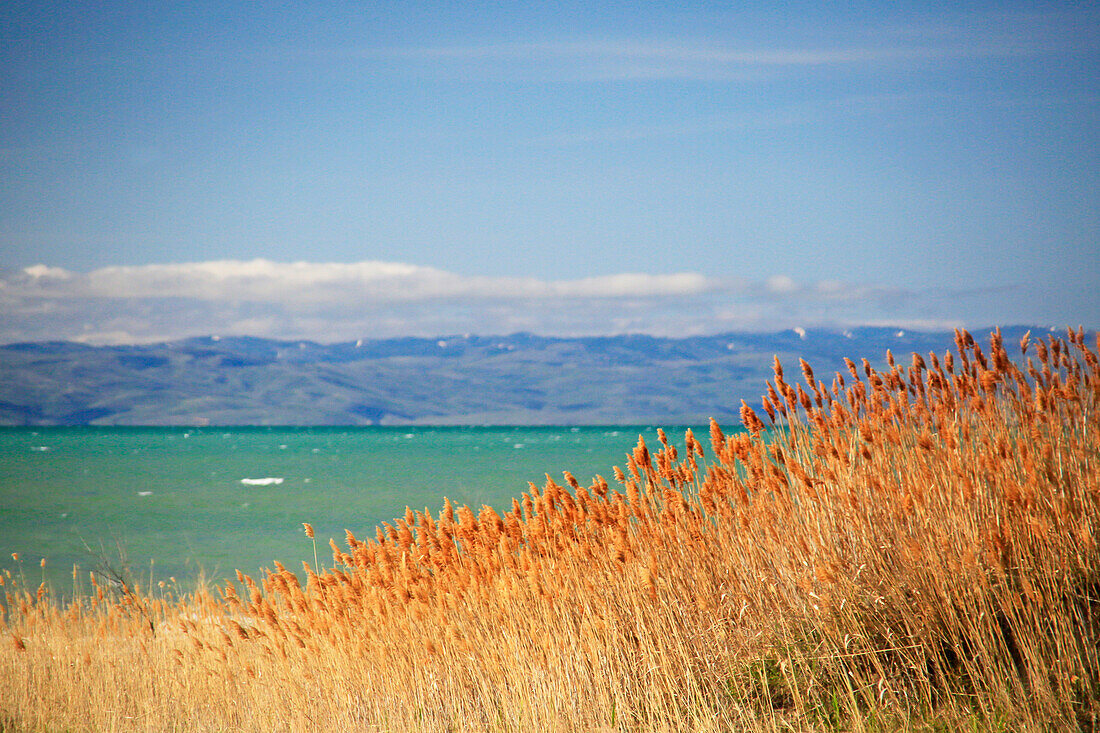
x=262, y=280
x=342, y=301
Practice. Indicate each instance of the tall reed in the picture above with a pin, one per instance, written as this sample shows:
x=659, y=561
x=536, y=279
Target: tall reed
x=907, y=548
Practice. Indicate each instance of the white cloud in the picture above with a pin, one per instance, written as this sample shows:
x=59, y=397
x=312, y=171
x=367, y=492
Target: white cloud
x=781, y=285
x=601, y=60
x=347, y=301
x=38, y=272
x=263, y=281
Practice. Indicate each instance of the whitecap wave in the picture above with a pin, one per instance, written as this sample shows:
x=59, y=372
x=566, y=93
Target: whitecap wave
x=266, y=481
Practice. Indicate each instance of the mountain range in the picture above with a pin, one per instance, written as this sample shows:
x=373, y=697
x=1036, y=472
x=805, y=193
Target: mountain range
x=520, y=379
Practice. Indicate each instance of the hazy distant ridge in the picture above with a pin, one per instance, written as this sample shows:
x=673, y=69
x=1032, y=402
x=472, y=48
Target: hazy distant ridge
x=516, y=379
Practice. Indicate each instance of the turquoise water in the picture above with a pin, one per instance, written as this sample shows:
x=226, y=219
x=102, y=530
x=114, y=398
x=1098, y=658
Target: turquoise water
x=175, y=501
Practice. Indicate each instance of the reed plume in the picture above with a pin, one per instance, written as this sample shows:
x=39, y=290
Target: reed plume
x=909, y=548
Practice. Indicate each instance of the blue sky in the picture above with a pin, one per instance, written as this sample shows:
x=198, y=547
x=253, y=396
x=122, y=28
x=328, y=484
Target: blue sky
x=358, y=170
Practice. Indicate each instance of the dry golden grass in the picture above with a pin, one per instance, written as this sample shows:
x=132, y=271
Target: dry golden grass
x=909, y=549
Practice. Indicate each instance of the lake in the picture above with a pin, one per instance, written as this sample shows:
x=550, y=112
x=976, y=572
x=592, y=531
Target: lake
x=178, y=501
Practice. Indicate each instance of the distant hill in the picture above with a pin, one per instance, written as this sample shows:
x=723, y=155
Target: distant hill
x=517, y=379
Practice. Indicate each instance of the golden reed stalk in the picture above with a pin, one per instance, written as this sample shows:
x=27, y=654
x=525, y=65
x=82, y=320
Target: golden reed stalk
x=905, y=549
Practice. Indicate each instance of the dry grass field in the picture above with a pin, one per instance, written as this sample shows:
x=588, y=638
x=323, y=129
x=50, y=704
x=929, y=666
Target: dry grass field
x=907, y=549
